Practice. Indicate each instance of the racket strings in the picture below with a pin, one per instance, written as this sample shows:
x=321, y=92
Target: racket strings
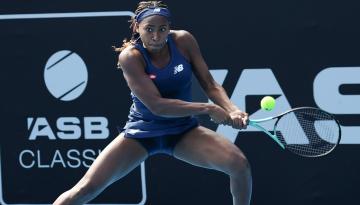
x=308, y=132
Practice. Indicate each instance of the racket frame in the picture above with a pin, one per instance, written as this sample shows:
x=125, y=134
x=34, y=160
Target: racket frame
x=255, y=123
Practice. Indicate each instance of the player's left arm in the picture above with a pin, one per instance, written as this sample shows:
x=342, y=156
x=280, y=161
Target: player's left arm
x=213, y=90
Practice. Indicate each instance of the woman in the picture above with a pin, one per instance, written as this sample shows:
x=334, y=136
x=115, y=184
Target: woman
x=157, y=64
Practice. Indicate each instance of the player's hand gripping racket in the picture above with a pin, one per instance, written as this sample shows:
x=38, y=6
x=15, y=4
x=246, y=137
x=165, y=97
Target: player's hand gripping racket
x=305, y=131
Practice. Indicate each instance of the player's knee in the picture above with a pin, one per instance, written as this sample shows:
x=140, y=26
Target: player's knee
x=84, y=189
x=238, y=164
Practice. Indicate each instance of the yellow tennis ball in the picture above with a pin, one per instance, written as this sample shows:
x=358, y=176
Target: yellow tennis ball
x=267, y=103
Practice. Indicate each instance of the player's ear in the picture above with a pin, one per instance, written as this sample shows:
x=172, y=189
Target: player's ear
x=136, y=27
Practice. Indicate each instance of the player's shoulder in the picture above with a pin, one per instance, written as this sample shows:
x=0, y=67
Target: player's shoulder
x=130, y=56
x=182, y=35
x=183, y=39
x=129, y=53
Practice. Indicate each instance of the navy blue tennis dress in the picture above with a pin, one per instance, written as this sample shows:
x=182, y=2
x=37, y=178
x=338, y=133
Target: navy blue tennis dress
x=156, y=133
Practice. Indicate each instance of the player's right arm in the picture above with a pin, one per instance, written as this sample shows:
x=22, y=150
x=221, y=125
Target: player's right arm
x=132, y=65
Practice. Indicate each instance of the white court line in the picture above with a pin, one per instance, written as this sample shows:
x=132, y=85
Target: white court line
x=65, y=15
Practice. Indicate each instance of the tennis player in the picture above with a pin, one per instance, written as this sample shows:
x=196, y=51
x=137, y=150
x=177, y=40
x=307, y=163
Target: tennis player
x=158, y=64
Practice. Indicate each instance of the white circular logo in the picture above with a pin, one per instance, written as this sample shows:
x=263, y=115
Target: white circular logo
x=65, y=75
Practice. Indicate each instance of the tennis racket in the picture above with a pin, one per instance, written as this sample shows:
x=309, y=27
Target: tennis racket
x=305, y=131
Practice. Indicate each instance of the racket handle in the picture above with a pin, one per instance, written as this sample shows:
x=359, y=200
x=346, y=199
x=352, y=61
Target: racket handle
x=254, y=124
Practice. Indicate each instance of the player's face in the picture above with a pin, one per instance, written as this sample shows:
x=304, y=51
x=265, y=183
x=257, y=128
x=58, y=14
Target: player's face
x=153, y=32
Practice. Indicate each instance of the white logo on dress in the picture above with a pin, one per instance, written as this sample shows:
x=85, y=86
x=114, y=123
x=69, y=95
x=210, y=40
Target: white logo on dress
x=178, y=68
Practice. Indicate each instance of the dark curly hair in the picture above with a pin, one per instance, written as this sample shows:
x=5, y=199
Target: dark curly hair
x=135, y=35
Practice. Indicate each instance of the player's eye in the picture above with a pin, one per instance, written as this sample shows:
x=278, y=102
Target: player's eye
x=149, y=29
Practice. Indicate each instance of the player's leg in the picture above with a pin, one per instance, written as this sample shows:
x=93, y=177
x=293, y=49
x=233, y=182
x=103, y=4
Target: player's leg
x=120, y=157
x=204, y=147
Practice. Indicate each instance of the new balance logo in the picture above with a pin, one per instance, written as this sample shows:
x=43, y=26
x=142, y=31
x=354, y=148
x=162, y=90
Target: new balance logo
x=178, y=68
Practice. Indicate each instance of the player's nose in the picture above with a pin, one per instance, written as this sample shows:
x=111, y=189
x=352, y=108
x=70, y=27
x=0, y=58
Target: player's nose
x=155, y=36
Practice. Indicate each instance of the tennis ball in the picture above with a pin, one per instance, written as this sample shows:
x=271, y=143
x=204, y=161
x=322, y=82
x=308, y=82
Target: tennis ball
x=267, y=103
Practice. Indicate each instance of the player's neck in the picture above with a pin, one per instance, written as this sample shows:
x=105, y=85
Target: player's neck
x=163, y=53
x=162, y=58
